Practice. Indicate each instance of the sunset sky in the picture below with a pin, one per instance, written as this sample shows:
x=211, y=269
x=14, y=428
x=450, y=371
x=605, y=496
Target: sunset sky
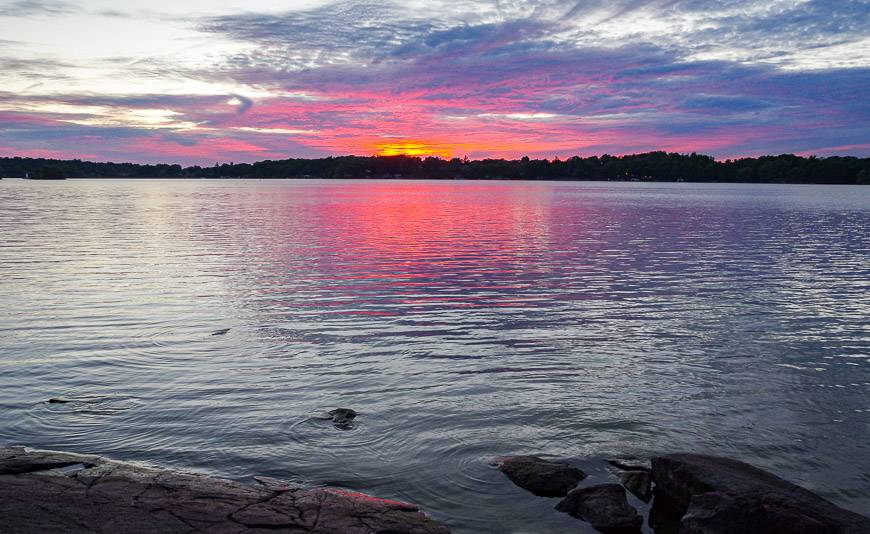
x=232, y=80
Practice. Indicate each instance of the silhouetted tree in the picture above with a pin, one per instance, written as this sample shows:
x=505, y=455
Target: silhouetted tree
x=651, y=166
x=49, y=173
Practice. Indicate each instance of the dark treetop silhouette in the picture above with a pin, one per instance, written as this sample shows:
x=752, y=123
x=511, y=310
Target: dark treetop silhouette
x=652, y=166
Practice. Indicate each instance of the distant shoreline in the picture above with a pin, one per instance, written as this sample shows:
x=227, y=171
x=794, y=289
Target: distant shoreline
x=419, y=179
x=646, y=167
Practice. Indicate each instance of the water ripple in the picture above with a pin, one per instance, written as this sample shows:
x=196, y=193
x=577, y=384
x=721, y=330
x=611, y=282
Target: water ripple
x=461, y=321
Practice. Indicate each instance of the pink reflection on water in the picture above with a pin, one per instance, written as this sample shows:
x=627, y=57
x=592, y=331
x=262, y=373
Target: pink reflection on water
x=382, y=248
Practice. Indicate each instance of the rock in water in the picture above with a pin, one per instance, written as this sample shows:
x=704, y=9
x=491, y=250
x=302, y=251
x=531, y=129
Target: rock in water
x=542, y=477
x=276, y=485
x=637, y=482
x=630, y=464
x=605, y=507
x=713, y=495
x=342, y=417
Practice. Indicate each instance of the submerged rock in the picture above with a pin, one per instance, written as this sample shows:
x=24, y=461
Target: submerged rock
x=605, y=507
x=542, y=477
x=630, y=464
x=92, y=404
x=276, y=485
x=638, y=483
x=80, y=399
x=342, y=417
x=119, y=498
x=713, y=495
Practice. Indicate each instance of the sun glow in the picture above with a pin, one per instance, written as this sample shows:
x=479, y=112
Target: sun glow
x=407, y=147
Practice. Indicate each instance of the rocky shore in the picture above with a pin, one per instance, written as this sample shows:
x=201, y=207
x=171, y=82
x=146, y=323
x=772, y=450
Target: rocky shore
x=691, y=494
x=48, y=492
x=55, y=492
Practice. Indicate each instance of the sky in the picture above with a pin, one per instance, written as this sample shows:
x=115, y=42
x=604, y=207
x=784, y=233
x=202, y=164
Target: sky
x=199, y=82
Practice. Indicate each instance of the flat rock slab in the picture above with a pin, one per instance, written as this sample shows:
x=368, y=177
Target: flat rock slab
x=53, y=492
x=544, y=478
x=713, y=495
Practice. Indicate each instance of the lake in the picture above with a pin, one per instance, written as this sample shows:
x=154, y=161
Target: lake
x=462, y=320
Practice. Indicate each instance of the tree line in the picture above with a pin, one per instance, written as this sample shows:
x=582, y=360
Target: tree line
x=651, y=166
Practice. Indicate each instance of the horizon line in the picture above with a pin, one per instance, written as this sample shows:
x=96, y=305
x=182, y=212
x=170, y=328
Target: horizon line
x=464, y=158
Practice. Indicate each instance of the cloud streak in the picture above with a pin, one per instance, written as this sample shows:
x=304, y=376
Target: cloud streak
x=31, y=8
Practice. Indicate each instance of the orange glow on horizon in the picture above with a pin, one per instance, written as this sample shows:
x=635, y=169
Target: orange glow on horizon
x=408, y=147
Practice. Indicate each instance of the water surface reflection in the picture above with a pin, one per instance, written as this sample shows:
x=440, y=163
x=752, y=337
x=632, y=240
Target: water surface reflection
x=461, y=320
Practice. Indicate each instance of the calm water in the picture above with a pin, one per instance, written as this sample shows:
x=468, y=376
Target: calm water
x=462, y=320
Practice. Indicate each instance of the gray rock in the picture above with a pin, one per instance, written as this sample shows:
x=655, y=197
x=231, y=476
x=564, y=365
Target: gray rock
x=638, y=483
x=605, y=507
x=542, y=477
x=713, y=495
x=119, y=498
x=19, y=461
x=664, y=516
x=630, y=464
